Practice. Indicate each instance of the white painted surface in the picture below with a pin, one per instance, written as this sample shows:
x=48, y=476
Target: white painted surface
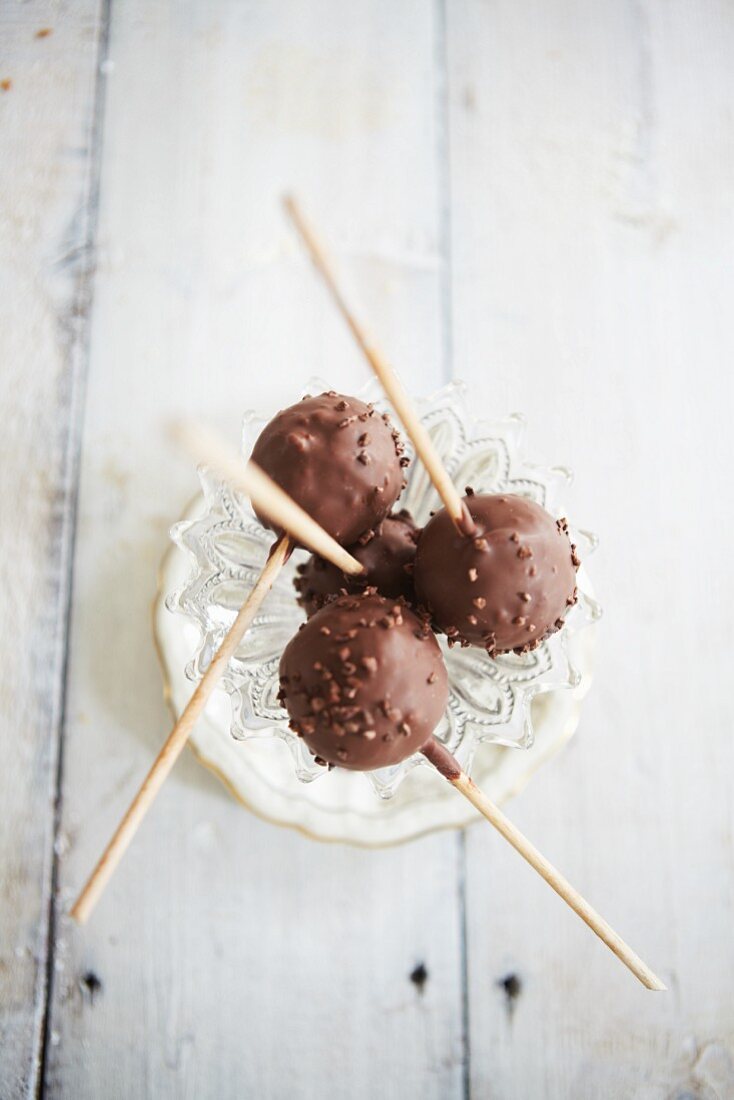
x=238, y=959
x=45, y=136
x=586, y=211
x=592, y=228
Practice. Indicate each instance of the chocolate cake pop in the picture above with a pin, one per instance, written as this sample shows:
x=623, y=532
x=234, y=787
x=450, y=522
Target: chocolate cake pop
x=340, y=459
x=364, y=682
x=387, y=556
x=506, y=588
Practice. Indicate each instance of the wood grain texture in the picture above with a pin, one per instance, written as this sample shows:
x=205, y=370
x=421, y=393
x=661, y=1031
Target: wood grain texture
x=587, y=211
x=591, y=160
x=46, y=140
x=229, y=958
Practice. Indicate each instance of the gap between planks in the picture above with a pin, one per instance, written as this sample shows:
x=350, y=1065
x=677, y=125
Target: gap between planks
x=443, y=153
x=79, y=356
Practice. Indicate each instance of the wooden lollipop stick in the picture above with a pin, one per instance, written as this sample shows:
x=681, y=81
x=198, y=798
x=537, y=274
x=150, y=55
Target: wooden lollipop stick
x=449, y=768
x=280, y=509
x=390, y=382
x=178, y=737
x=434, y=751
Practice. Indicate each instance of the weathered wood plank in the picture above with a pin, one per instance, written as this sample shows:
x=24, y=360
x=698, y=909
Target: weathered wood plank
x=46, y=135
x=236, y=959
x=591, y=240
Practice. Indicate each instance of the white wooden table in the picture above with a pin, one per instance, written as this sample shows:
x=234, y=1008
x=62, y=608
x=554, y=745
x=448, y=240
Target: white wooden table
x=535, y=197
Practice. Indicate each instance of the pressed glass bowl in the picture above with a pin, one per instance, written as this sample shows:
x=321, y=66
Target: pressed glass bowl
x=493, y=702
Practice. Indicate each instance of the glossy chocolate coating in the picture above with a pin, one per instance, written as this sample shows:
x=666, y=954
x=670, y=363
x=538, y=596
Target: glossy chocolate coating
x=338, y=458
x=387, y=556
x=364, y=682
x=506, y=588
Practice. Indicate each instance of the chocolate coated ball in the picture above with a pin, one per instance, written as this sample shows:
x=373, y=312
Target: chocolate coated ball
x=338, y=458
x=364, y=682
x=506, y=588
x=387, y=556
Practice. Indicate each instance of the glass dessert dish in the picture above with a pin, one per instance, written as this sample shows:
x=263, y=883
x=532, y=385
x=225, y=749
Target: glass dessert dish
x=510, y=706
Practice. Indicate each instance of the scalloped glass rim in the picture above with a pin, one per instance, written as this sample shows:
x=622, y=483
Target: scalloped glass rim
x=490, y=699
